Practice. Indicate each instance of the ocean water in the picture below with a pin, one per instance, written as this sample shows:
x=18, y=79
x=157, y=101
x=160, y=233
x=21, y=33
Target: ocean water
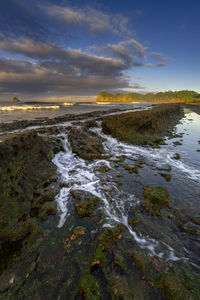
x=36, y=110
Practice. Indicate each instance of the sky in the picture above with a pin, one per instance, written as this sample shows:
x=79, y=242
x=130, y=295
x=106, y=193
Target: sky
x=54, y=49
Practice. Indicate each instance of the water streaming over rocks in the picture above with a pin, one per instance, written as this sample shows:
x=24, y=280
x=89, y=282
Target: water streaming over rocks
x=118, y=244
x=83, y=175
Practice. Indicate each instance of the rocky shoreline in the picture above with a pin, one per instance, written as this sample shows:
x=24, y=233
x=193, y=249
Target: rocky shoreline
x=85, y=259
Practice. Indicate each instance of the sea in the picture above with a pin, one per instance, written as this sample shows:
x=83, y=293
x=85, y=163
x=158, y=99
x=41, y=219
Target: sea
x=38, y=110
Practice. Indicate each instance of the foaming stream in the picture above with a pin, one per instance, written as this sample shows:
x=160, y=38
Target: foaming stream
x=78, y=174
x=159, y=157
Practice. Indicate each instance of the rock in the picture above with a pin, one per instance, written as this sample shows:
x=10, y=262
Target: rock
x=85, y=146
x=102, y=169
x=167, y=177
x=177, y=143
x=196, y=219
x=88, y=287
x=108, y=236
x=15, y=100
x=176, y=156
x=25, y=167
x=143, y=127
x=155, y=199
x=86, y=202
x=192, y=228
x=166, y=168
x=173, y=281
x=78, y=232
x=133, y=169
x=133, y=221
x=47, y=209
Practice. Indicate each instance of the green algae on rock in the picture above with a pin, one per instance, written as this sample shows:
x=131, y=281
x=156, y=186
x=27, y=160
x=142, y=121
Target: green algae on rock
x=167, y=177
x=108, y=236
x=86, y=202
x=133, y=169
x=77, y=232
x=155, y=199
x=84, y=145
x=177, y=156
x=192, y=228
x=20, y=179
x=143, y=127
x=88, y=287
x=176, y=283
x=133, y=221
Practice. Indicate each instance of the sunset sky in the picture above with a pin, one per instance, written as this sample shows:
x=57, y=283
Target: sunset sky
x=53, y=49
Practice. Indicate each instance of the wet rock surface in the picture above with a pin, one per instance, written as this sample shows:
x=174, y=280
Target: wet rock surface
x=144, y=127
x=109, y=246
x=86, y=146
x=25, y=171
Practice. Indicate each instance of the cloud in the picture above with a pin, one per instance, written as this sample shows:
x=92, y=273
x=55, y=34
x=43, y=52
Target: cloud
x=50, y=68
x=57, y=70
x=44, y=82
x=15, y=66
x=44, y=59
x=160, y=58
x=127, y=51
x=92, y=19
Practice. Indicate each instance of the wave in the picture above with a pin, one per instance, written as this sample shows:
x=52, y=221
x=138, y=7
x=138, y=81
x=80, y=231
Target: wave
x=27, y=107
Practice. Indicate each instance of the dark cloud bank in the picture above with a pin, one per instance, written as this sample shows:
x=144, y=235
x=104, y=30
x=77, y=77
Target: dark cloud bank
x=38, y=57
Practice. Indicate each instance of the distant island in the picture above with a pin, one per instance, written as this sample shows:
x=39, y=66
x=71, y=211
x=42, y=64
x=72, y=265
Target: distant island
x=169, y=96
x=15, y=100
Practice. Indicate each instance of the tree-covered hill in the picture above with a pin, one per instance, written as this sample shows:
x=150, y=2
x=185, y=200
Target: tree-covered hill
x=169, y=96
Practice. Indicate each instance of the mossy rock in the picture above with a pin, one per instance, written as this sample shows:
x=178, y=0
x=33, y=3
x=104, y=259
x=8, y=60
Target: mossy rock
x=155, y=199
x=192, y=228
x=196, y=219
x=85, y=145
x=108, y=236
x=132, y=169
x=47, y=209
x=167, y=177
x=177, y=143
x=102, y=169
x=119, y=288
x=86, y=202
x=25, y=167
x=166, y=168
x=88, y=287
x=176, y=156
x=77, y=233
x=133, y=221
x=19, y=231
x=143, y=127
x=176, y=283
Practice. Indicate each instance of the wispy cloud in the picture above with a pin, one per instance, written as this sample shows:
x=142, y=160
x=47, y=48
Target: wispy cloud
x=129, y=51
x=94, y=20
x=161, y=59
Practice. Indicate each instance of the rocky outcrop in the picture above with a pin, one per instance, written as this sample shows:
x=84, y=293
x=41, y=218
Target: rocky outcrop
x=143, y=127
x=156, y=198
x=26, y=171
x=15, y=100
x=86, y=146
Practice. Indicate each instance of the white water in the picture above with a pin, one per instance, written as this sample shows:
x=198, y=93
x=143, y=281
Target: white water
x=160, y=157
x=81, y=175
